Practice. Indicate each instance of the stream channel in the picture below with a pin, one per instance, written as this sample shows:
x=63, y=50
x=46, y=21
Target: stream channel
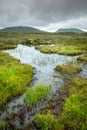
x=16, y=111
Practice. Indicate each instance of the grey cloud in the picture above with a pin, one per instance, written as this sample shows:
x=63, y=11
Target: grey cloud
x=40, y=12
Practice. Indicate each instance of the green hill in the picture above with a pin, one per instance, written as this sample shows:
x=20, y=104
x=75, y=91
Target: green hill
x=74, y=30
x=21, y=29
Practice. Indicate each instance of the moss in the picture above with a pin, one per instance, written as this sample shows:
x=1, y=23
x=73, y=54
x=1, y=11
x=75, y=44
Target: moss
x=35, y=94
x=82, y=58
x=47, y=122
x=14, y=77
x=75, y=109
x=68, y=69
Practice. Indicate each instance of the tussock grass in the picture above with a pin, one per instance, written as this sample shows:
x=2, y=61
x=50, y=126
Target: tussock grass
x=82, y=58
x=47, y=122
x=74, y=114
x=14, y=77
x=2, y=125
x=35, y=94
x=68, y=69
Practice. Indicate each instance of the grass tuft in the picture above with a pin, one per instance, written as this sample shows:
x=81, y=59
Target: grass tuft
x=47, y=122
x=68, y=69
x=14, y=77
x=35, y=94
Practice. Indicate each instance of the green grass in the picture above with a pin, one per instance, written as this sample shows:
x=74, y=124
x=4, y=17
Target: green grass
x=68, y=69
x=35, y=94
x=65, y=43
x=74, y=114
x=65, y=49
x=47, y=122
x=82, y=58
x=14, y=77
x=2, y=125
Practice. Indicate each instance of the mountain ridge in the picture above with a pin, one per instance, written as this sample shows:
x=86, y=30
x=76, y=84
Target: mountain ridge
x=21, y=29
x=74, y=30
x=36, y=30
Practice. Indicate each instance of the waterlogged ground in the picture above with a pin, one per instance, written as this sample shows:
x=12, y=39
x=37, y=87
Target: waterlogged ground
x=17, y=112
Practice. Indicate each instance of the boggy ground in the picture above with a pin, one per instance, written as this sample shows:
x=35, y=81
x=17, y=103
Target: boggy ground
x=68, y=107
x=64, y=43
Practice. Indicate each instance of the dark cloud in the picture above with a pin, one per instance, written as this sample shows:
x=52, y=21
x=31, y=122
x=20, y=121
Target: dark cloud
x=40, y=12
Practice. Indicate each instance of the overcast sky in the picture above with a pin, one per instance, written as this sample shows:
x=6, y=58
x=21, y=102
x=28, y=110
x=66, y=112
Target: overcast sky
x=48, y=15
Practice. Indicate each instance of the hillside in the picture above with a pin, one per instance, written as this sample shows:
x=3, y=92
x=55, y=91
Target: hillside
x=75, y=30
x=21, y=29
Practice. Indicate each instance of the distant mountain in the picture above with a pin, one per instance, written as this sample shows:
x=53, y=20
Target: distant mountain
x=75, y=30
x=21, y=29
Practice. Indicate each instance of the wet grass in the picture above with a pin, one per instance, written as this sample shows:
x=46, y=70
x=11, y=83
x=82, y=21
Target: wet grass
x=75, y=108
x=64, y=43
x=82, y=58
x=64, y=49
x=70, y=112
x=14, y=77
x=47, y=122
x=68, y=69
x=2, y=125
x=35, y=94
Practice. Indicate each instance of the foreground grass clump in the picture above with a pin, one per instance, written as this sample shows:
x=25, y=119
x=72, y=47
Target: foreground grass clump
x=68, y=68
x=35, y=94
x=82, y=58
x=47, y=122
x=14, y=77
x=74, y=116
x=2, y=125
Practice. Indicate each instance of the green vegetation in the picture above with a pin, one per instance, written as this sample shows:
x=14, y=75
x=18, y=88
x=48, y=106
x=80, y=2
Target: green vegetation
x=62, y=49
x=73, y=116
x=47, y=122
x=35, y=94
x=68, y=69
x=14, y=77
x=2, y=125
x=67, y=44
x=75, y=109
x=64, y=43
x=82, y=58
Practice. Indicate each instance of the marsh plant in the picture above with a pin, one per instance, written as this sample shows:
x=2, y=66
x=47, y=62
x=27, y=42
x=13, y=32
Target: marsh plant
x=74, y=116
x=82, y=58
x=14, y=77
x=35, y=94
x=68, y=69
x=47, y=122
x=2, y=125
